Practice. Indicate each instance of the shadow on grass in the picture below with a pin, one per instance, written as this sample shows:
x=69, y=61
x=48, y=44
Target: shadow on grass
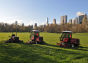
x=44, y=43
x=5, y=41
x=51, y=45
x=81, y=48
x=76, y=48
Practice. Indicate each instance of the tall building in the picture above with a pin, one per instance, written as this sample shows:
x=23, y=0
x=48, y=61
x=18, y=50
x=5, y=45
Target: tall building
x=47, y=21
x=16, y=22
x=80, y=18
x=73, y=21
x=54, y=21
x=76, y=20
x=32, y=26
x=22, y=24
x=35, y=26
x=64, y=19
x=70, y=21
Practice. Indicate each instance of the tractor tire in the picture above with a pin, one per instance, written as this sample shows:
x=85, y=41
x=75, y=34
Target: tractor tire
x=72, y=45
x=41, y=39
x=77, y=45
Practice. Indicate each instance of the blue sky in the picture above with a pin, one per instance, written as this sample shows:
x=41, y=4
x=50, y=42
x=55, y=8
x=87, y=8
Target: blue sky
x=36, y=11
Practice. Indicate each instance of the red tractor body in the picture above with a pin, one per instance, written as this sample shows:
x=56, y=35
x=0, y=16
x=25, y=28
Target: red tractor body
x=66, y=40
x=35, y=37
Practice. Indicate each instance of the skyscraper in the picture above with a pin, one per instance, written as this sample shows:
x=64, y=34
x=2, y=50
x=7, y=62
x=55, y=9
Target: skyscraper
x=54, y=21
x=70, y=21
x=35, y=26
x=76, y=20
x=64, y=19
x=16, y=22
x=73, y=21
x=80, y=18
x=22, y=24
x=47, y=21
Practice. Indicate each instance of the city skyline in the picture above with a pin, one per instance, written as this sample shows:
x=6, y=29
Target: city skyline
x=36, y=11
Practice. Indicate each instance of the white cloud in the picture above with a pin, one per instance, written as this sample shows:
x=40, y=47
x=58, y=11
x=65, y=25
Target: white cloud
x=80, y=13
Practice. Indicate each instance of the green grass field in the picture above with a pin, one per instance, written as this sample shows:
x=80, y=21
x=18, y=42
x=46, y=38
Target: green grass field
x=22, y=53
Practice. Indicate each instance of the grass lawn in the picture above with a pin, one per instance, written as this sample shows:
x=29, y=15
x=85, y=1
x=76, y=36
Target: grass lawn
x=22, y=53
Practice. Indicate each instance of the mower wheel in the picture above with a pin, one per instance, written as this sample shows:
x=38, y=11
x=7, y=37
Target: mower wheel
x=73, y=45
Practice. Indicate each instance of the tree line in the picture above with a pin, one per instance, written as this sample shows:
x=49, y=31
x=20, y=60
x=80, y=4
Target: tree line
x=5, y=27
x=52, y=28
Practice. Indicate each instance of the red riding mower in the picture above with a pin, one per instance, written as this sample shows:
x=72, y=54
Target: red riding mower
x=66, y=40
x=35, y=38
x=14, y=39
